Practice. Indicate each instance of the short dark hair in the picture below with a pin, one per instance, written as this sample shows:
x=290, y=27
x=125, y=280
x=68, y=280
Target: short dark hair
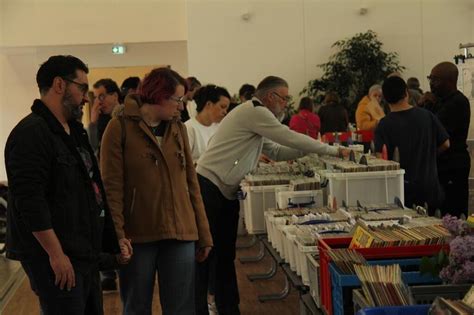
x=208, y=93
x=394, y=89
x=306, y=103
x=192, y=83
x=58, y=66
x=159, y=85
x=413, y=83
x=109, y=85
x=129, y=83
x=247, y=91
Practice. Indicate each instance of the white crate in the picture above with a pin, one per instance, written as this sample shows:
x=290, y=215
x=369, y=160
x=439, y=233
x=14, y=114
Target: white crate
x=277, y=235
x=278, y=190
x=314, y=283
x=305, y=198
x=258, y=199
x=241, y=231
x=291, y=250
x=367, y=187
x=302, y=251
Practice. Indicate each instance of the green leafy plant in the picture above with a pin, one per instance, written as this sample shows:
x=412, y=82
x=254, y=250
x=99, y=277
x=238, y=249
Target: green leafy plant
x=358, y=64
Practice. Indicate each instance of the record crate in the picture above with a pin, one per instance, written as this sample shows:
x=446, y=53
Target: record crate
x=422, y=294
x=396, y=310
x=257, y=200
x=394, y=252
x=342, y=284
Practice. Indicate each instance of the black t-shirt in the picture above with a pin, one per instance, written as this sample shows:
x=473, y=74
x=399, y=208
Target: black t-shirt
x=454, y=112
x=417, y=133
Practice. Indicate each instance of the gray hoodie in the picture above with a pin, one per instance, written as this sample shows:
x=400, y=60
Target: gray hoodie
x=242, y=136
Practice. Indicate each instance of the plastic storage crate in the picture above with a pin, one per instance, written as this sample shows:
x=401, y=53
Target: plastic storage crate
x=396, y=310
x=313, y=274
x=258, y=199
x=426, y=294
x=367, y=187
x=340, y=281
x=369, y=253
x=304, y=198
x=301, y=260
x=423, y=294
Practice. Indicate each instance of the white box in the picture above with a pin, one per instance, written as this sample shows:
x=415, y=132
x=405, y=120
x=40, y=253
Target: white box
x=367, y=187
x=305, y=198
x=302, y=251
x=314, y=283
x=258, y=199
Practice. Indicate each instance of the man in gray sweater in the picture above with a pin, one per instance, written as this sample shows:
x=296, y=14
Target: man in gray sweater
x=233, y=152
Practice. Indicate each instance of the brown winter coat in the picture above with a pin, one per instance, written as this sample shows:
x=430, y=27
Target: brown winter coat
x=152, y=190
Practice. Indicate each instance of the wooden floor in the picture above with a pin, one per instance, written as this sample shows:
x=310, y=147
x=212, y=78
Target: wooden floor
x=24, y=301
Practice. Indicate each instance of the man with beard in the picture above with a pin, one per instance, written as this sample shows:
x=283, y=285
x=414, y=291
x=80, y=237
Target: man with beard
x=453, y=110
x=58, y=218
x=233, y=152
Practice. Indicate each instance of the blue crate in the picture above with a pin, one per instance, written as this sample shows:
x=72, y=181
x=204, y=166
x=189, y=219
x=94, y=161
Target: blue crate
x=340, y=281
x=396, y=310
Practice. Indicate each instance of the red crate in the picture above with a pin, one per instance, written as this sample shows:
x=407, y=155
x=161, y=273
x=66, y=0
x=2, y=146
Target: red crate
x=369, y=253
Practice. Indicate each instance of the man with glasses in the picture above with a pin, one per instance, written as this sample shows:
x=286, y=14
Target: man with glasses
x=454, y=111
x=233, y=151
x=106, y=99
x=58, y=219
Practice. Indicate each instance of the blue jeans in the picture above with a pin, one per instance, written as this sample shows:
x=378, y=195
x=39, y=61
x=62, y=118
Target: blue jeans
x=174, y=261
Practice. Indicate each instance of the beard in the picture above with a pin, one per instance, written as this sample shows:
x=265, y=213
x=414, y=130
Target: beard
x=72, y=110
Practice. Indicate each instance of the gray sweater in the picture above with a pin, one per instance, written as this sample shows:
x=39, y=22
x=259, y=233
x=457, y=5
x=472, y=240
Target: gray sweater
x=242, y=136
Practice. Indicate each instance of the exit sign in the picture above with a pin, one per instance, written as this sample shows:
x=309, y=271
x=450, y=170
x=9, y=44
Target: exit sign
x=118, y=49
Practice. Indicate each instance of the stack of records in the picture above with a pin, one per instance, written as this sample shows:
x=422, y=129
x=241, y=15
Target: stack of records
x=398, y=235
x=383, y=285
x=307, y=183
x=345, y=259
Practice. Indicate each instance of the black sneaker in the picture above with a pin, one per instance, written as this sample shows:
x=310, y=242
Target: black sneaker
x=109, y=284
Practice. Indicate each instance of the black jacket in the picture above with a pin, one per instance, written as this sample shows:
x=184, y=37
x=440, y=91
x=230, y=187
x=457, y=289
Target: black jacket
x=50, y=187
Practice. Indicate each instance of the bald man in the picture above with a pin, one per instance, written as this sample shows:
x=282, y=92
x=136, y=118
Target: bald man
x=454, y=112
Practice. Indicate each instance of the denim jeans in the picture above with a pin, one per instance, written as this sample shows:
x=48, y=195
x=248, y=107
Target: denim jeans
x=84, y=298
x=174, y=261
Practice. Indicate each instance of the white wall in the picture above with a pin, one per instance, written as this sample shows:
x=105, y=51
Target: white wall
x=72, y=22
x=18, y=67
x=154, y=31
x=291, y=37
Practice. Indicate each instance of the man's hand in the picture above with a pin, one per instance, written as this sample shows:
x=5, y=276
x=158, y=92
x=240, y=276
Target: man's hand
x=63, y=271
x=202, y=253
x=344, y=152
x=95, y=110
x=265, y=159
x=126, y=250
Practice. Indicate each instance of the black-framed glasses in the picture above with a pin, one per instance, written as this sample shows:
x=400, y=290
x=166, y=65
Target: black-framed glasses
x=283, y=98
x=83, y=87
x=102, y=96
x=179, y=100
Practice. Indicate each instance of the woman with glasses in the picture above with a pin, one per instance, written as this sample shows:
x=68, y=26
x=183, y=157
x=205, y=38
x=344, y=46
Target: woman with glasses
x=154, y=196
x=212, y=103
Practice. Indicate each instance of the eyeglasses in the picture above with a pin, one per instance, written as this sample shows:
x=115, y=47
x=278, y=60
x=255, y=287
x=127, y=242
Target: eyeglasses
x=83, y=87
x=179, y=100
x=101, y=97
x=283, y=98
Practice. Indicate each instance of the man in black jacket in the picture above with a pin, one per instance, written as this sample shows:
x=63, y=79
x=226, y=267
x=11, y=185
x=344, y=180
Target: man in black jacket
x=58, y=219
x=454, y=112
